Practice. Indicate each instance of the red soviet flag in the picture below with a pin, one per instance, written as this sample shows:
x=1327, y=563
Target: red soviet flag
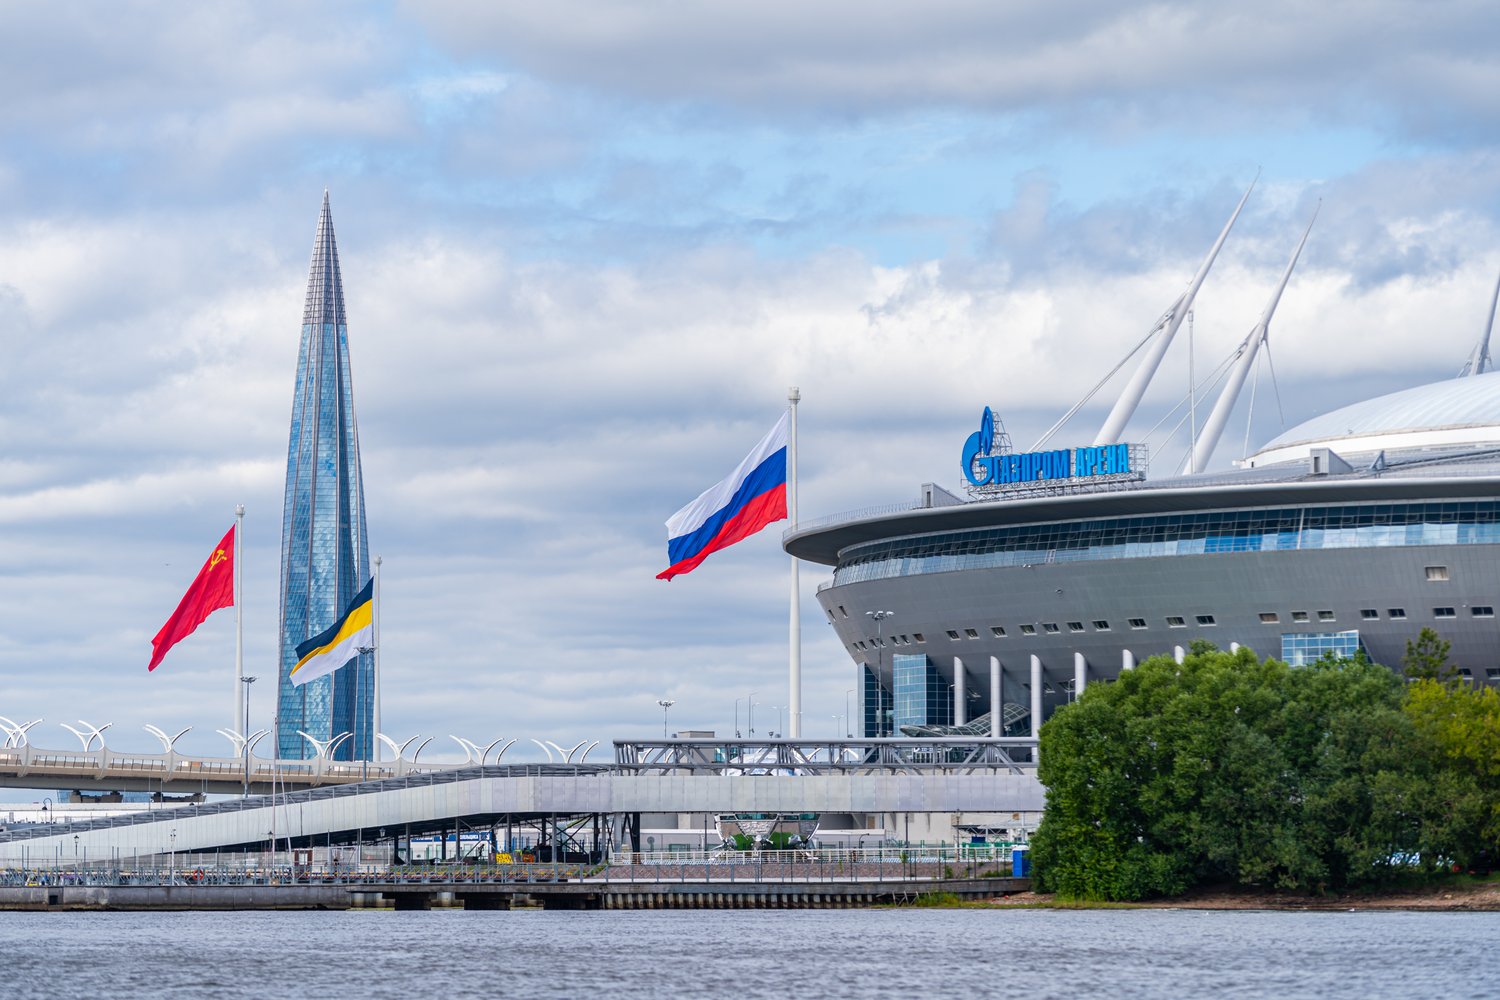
x=212, y=589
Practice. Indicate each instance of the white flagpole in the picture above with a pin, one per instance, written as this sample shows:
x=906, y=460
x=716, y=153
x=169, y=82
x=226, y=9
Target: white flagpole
x=239, y=623
x=375, y=620
x=794, y=701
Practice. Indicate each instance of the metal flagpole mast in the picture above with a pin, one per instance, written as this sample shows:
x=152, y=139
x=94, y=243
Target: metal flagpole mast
x=239, y=620
x=375, y=620
x=794, y=706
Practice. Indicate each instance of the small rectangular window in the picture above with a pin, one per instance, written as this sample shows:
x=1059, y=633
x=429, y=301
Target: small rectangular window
x=1101, y=625
x=998, y=631
x=919, y=636
x=953, y=634
x=1396, y=614
x=1174, y=621
x=1028, y=630
x=1050, y=628
x=1437, y=574
x=1466, y=674
x=1137, y=623
x=1325, y=616
x=1493, y=673
x=971, y=633
x=1269, y=618
x=1075, y=626
x=1442, y=613
x=1482, y=611
x=1369, y=614
x=1299, y=616
x=1206, y=620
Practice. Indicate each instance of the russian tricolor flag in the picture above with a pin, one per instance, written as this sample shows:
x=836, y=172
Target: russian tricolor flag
x=753, y=496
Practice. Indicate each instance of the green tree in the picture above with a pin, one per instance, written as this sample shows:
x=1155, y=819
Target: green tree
x=1229, y=769
x=1461, y=727
x=1427, y=658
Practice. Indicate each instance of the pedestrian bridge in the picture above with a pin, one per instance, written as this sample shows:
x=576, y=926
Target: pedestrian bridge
x=954, y=775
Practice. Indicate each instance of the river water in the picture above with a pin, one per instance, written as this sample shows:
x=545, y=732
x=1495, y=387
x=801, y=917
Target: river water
x=801, y=954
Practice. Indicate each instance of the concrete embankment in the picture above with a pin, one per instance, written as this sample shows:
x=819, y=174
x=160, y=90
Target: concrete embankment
x=579, y=895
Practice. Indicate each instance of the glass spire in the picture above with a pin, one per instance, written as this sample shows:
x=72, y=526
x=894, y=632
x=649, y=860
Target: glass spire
x=325, y=556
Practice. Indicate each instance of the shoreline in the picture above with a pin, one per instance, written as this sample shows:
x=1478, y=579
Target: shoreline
x=1470, y=897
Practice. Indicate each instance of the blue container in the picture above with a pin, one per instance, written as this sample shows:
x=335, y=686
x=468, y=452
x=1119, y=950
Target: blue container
x=1020, y=863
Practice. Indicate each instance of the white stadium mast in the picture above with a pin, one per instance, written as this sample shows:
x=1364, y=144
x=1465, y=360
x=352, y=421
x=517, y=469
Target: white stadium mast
x=1165, y=330
x=1203, y=448
x=1479, y=361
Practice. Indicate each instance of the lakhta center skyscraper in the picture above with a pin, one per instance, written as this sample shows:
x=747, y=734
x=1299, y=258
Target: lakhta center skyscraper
x=325, y=556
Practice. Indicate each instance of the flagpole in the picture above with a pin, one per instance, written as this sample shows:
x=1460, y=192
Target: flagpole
x=794, y=702
x=239, y=623
x=375, y=621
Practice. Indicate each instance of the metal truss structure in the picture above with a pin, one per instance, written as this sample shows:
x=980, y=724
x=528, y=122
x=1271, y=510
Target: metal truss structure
x=955, y=755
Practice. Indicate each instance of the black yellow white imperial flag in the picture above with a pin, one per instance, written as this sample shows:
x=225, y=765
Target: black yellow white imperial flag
x=328, y=650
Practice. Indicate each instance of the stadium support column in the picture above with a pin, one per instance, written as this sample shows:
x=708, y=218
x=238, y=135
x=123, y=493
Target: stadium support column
x=1080, y=674
x=959, y=697
x=1036, y=696
x=997, y=699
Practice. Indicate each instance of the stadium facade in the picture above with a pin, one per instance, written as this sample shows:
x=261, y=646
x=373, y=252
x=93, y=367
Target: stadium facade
x=325, y=555
x=1351, y=531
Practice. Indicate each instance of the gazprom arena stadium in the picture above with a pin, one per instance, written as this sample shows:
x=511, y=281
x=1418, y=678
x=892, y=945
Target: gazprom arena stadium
x=1061, y=568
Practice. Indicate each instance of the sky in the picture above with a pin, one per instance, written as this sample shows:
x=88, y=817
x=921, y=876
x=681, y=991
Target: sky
x=586, y=249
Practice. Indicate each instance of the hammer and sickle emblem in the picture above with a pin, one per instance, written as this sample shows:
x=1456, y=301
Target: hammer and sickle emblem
x=217, y=558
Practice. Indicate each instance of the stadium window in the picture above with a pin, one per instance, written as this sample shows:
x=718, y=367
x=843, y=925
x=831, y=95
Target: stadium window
x=1369, y=614
x=1050, y=628
x=1100, y=625
x=1075, y=626
x=953, y=634
x=829, y=614
x=1396, y=614
x=1442, y=613
x=1467, y=675
x=1492, y=674
x=1137, y=623
x=842, y=611
x=1175, y=621
x=1299, y=616
x=919, y=636
x=1437, y=574
x=1206, y=620
x=1325, y=616
x=998, y=631
x=971, y=633
x=1028, y=630
x=1482, y=611
x=1269, y=618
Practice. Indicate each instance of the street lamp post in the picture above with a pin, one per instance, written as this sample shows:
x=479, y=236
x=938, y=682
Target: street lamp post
x=665, y=704
x=245, y=747
x=750, y=712
x=737, y=717
x=847, y=734
x=880, y=617
x=172, y=857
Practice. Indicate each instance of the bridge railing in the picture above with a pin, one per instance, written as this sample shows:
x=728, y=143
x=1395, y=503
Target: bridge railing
x=415, y=779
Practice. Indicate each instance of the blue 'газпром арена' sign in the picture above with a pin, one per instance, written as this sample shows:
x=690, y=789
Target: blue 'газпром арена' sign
x=981, y=468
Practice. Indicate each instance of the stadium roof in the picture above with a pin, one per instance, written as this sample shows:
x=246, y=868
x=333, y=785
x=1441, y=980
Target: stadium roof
x=1457, y=411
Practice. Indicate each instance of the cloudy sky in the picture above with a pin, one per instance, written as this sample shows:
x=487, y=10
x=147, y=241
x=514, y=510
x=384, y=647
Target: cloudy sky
x=586, y=248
